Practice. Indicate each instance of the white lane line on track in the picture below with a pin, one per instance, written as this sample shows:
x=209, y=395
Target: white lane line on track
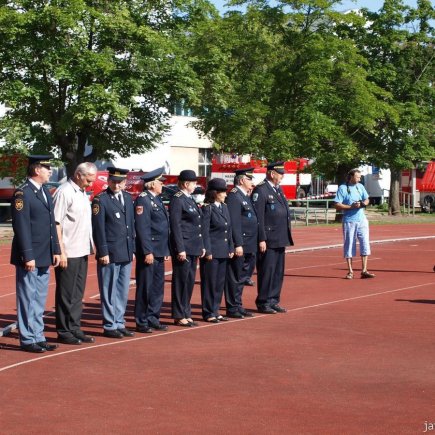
x=8, y=294
x=178, y=331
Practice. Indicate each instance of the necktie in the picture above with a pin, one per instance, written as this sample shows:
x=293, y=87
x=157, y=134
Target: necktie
x=120, y=198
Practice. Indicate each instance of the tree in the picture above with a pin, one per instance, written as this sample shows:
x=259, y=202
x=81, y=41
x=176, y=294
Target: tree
x=91, y=72
x=399, y=46
x=284, y=84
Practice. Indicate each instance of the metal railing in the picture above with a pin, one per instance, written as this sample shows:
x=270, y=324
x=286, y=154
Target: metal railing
x=407, y=202
x=309, y=210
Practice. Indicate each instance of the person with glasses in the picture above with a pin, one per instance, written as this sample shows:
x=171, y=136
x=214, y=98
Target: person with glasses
x=152, y=250
x=72, y=211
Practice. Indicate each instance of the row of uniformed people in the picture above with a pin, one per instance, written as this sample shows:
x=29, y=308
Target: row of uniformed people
x=122, y=229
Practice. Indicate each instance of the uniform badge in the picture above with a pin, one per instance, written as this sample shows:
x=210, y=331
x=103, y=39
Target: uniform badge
x=139, y=209
x=255, y=197
x=244, y=203
x=272, y=207
x=249, y=215
x=95, y=209
x=117, y=215
x=18, y=192
x=19, y=204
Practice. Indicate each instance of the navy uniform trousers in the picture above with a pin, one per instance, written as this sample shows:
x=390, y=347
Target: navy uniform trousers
x=150, y=279
x=218, y=243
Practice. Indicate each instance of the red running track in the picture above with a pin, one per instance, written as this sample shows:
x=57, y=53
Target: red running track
x=349, y=357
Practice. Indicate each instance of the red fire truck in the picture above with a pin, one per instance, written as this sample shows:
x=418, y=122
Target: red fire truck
x=420, y=182
x=296, y=183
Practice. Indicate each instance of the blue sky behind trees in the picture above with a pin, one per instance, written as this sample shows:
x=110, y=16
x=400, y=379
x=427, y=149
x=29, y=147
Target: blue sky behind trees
x=372, y=5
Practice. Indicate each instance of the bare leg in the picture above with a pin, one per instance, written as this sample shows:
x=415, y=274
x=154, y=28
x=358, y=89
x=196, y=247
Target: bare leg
x=364, y=263
x=349, y=264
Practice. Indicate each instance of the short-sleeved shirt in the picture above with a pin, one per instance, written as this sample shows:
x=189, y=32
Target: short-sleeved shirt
x=72, y=210
x=347, y=194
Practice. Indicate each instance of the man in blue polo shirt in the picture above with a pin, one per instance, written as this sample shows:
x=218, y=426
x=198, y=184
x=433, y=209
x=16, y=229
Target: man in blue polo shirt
x=351, y=199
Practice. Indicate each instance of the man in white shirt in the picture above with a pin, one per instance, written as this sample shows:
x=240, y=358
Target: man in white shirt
x=72, y=211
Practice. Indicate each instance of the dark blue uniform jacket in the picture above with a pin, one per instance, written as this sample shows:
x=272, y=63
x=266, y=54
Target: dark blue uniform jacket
x=185, y=219
x=244, y=221
x=217, y=231
x=273, y=216
x=35, y=236
x=152, y=226
x=113, y=227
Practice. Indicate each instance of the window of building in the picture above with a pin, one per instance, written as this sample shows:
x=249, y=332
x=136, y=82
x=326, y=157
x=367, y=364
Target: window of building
x=204, y=162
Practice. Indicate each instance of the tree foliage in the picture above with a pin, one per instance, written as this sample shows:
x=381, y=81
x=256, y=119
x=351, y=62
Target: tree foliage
x=78, y=72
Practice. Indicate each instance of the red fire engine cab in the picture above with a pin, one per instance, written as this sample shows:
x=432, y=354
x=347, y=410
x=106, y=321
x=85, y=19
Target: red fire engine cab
x=296, y=183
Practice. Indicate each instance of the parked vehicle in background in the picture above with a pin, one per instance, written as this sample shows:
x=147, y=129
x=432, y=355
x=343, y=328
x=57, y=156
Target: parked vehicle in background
x=420, y=183
x=297, y=183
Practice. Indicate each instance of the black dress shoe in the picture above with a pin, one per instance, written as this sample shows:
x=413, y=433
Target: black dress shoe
x=33, y=347
x=266, y=310
x=112, y=333
x=246, y=314
x=235, y=315
x=144, y=329
x=126, y=332
x=184, y=325
x=250, y=282
x=278, y=309
x=212, y=320
x=69, y=340
x=159, y=327
x=47, y=346
x=83, y=337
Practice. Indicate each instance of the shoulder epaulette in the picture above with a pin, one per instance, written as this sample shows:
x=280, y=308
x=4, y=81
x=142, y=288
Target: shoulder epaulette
x=261, y=183
x=125, y=191
x=144, y=194
x=234, y=190
x=178, y=194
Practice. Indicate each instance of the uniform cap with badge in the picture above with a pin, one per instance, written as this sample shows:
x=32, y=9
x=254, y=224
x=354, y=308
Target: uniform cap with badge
x=153, y=175
x=41, y=159
x=247, y=172
x=277, y=167
x=117, y=174
x=187, y=175
x=217, y=184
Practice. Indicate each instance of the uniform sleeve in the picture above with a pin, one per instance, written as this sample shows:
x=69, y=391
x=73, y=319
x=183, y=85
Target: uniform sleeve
x=259, y=201
x=175, y=214
x=206, y=216
x=142, y=214
x=98, y=227
x=21, y=225
x=236, y=219
x=230, y=229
